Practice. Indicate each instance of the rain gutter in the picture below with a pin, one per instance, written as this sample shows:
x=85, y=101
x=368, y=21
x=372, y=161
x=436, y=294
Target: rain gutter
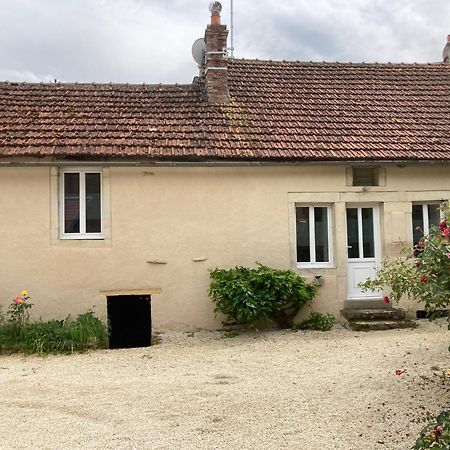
x=212, y=163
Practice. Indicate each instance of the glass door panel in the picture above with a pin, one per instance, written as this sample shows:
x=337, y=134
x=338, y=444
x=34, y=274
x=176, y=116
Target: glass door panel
x=360, y=233
x=352, y=233
x=368, y=236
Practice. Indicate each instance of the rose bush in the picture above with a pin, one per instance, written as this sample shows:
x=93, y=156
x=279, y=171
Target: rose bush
x=18, y=311
x=422, y=272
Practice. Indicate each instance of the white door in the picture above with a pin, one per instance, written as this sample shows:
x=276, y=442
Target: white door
x=363, y=247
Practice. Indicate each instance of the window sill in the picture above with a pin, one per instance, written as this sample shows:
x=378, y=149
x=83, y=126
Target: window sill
x=81, y=237
x=316, y=266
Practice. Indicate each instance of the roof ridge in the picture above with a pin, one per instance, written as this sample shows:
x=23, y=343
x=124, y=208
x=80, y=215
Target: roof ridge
x=342, y=63
x=95, y=84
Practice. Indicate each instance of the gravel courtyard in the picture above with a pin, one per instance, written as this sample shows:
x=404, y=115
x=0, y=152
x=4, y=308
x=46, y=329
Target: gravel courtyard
x=268, y=390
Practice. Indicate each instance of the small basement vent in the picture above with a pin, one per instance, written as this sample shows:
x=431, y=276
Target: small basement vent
x=129, y=320
x=365, y=176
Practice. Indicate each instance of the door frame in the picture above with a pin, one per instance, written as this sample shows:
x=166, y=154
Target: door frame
x=377, y=246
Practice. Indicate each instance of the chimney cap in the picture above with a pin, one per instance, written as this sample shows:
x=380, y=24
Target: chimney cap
x=215, y=7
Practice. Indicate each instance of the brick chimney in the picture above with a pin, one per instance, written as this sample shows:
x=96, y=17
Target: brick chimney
x=446, y=52
x=216, y=76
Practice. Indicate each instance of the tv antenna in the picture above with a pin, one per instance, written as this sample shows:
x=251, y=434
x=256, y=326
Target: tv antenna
x=231, y=30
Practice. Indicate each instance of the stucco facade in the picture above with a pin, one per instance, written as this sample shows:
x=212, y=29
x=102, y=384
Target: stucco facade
x=165, y=227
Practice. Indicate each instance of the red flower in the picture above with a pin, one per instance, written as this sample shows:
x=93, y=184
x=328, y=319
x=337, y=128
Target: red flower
x=438, y=429
x=400, y=372
x=18, y=300
x=418, y=263
x=386, y=299
x=423, y=278
x=446, y=232
x=442, y=224
x=421, y=244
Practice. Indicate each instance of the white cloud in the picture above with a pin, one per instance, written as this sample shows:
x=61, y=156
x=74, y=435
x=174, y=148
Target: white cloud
x=150, y=40
x=24, y=75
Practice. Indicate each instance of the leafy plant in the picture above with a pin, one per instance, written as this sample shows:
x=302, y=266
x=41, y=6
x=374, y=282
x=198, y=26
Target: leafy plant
x=422, y=273
x=436, y=435
x=229, y=334
x=248, y=295
x=317, y=321
x=55, y=336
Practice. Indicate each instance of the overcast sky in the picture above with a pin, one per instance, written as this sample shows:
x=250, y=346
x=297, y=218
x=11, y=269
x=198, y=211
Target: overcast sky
x=150, y=40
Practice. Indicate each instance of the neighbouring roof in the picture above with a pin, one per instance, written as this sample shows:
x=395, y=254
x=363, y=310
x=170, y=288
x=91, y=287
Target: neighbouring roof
x=277, y=110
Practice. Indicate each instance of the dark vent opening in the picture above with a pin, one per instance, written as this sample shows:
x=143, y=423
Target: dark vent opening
x=422, y=314
x=365, y=176
x=130, y=321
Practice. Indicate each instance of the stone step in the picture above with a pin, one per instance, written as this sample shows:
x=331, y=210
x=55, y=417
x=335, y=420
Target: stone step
x=378, y=325
x=373, y=314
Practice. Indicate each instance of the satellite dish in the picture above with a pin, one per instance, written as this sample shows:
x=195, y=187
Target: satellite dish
x=199, y=51
x=215, y=7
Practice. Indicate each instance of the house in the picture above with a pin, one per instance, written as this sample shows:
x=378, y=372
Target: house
x=138, y=190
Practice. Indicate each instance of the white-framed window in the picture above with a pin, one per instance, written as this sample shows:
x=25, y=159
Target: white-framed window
x=81, y=204
x=424, y=215
x=314, y=236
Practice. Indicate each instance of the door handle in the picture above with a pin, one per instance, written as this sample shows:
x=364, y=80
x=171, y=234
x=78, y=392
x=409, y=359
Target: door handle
x=349, y=246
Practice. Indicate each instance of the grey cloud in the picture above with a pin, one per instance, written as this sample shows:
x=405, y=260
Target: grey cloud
x=150, y=41
x=358, y=30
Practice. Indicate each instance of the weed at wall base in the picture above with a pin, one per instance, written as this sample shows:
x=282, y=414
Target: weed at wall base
x=55, y=336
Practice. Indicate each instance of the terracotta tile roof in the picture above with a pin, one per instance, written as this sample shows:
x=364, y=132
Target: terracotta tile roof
x=278, y=110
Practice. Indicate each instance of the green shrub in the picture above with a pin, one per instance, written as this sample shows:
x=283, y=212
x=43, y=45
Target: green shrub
x=230, y=334
x=55, y=336
x=436, y=435
x=317, y=321
x=249, y=295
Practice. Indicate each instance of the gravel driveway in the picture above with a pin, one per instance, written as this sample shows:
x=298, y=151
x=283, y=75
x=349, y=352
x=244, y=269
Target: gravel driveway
x=272, y=390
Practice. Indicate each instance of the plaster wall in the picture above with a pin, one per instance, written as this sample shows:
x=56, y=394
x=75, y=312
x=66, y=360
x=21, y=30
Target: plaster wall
x=165, y=227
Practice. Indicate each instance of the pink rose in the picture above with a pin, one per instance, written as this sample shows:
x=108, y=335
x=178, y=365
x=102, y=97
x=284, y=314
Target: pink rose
x=443, y=224
x=18, y=300
x=421, y=244
x=423, y=278
x=386, y=299
x=446, y=232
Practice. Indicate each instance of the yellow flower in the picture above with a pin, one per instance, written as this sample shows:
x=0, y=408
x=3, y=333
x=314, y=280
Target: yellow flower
x=24, y=293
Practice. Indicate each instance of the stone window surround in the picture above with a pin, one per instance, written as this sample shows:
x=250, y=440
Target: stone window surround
x=395, y=220
x=55, y=200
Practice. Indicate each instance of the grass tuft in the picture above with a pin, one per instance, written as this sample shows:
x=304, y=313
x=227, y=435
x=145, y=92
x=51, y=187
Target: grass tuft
x=55, y=336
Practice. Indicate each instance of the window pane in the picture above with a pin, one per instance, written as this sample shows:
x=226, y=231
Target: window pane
x=352, y=233
x=368, y=237
x=93, y=204
x=71, y=203
x=321, y=231
x=434, y=214
x=417, y=221
x=303, y=253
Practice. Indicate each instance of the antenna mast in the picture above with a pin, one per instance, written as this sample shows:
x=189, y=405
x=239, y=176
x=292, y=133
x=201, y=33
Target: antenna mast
x=231, y=31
